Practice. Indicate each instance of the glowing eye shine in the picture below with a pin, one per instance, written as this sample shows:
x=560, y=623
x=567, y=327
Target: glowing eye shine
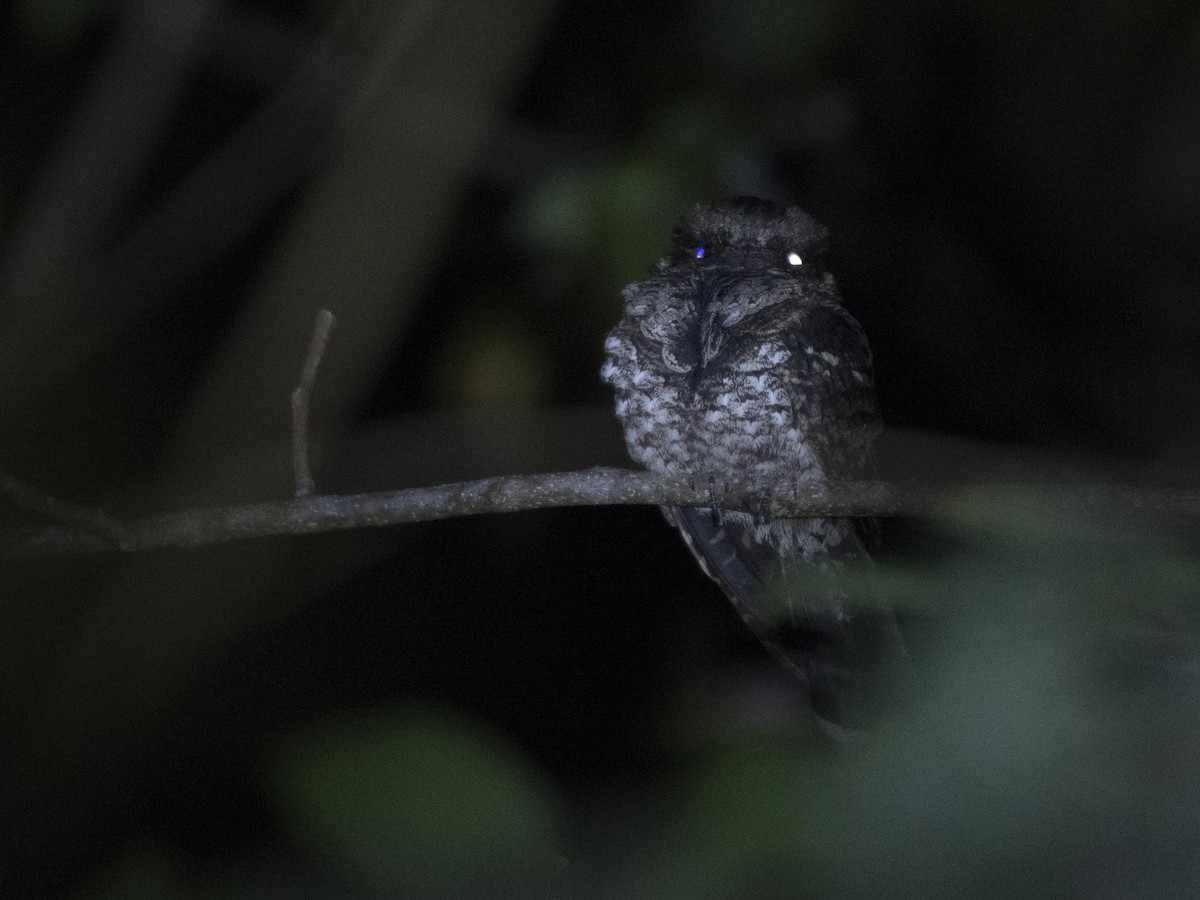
x=700, y=252
x=794, y=259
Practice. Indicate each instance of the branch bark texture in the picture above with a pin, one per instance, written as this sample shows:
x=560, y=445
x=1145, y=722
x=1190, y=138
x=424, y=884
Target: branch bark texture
x=511, y=493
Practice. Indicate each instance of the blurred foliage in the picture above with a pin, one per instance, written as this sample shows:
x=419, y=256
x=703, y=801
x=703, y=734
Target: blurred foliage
x=1050, y=724
x=1039, y=743
x=57, y=24
x=140, y=872
x=489, y=360
x=426, y=802
x=600, y=218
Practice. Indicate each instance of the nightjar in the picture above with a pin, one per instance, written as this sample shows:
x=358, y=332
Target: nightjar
x=736, y=360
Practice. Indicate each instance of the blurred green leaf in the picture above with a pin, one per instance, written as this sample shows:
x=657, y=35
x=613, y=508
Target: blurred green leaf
x=602, y=217
x=139, y=872
x=492, y=360
x=56, y=24
x=743, y=814
x=419, y=799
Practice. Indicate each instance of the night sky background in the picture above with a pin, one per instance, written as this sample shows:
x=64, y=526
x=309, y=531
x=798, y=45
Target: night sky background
x=558, y=703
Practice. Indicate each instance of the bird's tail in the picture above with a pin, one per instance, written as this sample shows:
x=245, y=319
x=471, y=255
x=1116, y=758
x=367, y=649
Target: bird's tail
x=831, y=645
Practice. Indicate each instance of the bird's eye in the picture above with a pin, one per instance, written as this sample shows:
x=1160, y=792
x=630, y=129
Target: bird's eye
x=793, y=259
x=700, y=251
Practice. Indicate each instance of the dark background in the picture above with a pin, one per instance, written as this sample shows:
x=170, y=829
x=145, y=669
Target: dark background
x=1012, y=192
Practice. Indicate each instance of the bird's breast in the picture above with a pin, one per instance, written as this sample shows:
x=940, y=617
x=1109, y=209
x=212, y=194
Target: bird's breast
x=738, y=417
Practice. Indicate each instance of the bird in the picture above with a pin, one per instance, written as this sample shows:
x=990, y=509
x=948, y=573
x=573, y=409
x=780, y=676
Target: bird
x=736, y=360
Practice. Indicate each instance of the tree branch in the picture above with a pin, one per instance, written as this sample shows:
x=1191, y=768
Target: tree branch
x=511, y=493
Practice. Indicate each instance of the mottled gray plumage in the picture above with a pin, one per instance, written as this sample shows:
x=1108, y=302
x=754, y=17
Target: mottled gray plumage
x=737, y=360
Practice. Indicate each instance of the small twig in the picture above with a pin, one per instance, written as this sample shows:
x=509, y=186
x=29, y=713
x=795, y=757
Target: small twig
x=301, y=396
x=96, y=522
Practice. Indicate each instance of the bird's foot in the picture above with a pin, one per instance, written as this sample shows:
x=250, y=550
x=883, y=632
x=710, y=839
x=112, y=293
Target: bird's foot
x=717, y=517
x=761, y=501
